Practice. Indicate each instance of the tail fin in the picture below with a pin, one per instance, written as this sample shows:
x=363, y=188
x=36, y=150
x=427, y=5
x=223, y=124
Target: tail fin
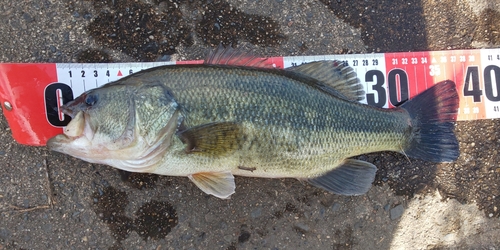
x=433, y=113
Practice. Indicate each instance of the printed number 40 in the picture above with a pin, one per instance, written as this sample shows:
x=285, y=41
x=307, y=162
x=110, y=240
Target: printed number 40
x=471, y=83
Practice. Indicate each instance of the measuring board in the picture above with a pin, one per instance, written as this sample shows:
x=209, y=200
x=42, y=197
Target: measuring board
x=32, y=93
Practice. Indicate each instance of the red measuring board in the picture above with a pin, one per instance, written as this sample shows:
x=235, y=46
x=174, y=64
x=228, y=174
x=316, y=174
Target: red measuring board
x=31, y=94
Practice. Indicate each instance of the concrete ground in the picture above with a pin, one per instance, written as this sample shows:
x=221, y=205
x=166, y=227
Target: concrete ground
x=52, y=201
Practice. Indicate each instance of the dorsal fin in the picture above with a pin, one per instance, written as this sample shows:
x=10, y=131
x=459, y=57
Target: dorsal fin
x=234, y=57
x=336, y=78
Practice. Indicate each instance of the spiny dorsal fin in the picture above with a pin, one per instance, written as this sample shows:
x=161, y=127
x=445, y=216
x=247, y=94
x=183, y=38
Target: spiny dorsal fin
x=337, y=79
x=219, y=184
x=213, y=139
x=234, y=57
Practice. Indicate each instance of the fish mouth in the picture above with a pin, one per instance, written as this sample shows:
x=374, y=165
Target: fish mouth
x=76, y=126
x=75, y=130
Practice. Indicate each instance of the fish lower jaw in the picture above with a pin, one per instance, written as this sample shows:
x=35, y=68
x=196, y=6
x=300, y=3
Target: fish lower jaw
x=61, y=142
x=70, y=138
x=74, y=146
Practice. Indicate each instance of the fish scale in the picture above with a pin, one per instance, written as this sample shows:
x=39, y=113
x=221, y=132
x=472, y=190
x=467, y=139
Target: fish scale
x=213, y=121
x=238, y=95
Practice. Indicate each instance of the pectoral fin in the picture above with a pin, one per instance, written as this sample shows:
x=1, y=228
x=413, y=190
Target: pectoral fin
x=219, y=184
x=214, y=139
x=353, y=177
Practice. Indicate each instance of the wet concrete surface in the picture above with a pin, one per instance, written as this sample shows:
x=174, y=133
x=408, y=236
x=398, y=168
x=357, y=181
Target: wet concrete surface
x=49, y=200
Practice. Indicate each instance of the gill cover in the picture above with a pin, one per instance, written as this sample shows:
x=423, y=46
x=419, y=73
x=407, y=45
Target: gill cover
x=127, y=126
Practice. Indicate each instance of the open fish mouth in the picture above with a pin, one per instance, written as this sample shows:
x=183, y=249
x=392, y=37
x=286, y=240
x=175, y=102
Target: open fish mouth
x=76, y=126
x=76, y=130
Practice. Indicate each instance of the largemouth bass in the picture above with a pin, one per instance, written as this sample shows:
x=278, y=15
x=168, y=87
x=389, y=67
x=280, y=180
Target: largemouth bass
x=235, y=116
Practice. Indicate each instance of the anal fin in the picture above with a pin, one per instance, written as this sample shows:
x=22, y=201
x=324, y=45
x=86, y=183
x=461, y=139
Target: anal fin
x=218, y=184
x=352, y=177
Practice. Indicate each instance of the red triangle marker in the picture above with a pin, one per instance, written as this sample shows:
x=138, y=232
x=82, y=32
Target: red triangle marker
x=119, y=73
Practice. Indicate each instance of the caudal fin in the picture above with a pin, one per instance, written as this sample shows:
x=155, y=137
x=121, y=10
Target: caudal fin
x=433, y=114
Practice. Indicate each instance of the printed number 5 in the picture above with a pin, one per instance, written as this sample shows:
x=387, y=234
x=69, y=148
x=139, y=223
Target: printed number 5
x=434, y=70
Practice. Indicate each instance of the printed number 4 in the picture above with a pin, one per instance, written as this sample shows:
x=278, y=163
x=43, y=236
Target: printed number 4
x=434, y=70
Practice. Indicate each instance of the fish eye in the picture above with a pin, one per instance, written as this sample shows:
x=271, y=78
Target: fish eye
x=90, y=99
